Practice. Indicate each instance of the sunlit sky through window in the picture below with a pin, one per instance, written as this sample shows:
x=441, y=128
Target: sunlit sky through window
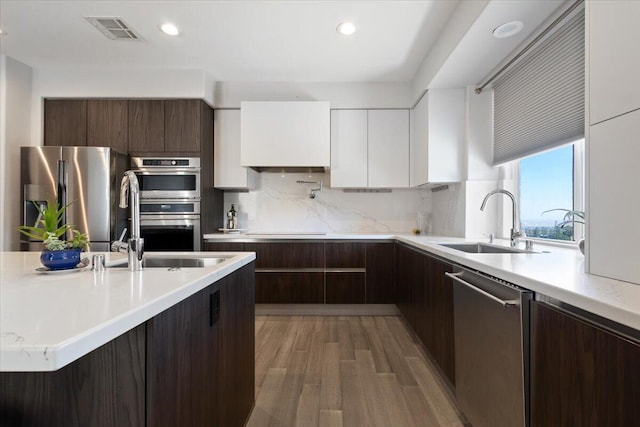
x=546, y=182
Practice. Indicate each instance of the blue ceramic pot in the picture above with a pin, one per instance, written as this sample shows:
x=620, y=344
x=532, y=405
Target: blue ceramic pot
x=60, y=260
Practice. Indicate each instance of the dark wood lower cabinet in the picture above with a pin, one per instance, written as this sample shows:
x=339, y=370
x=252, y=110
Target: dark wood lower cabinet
x=288, y=254
x=345, y=254
x=582, y=375
x=182, y=364
x=237, y=345
x=381, y=273
x=282, y=279
x=345, y=287
x=104, y=388
x=224, y=247
x=289, y=287
x=440, y=316
x=425, y=300
x=411, y=286
x=201, y=356
x=192, y=365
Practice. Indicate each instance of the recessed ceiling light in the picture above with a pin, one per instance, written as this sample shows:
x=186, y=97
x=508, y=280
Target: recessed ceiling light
x=3, y=33
x=346, y=28
x=507, y=30
x=169, y=28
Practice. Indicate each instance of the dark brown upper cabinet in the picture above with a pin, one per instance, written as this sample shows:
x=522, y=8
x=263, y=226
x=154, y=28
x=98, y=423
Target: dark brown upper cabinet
x=182, y=125
x=179, y=127
x=146, y=126
x=107, y=124
x=65, y=122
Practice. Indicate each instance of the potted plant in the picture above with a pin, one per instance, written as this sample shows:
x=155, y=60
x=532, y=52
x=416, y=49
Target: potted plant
x=571, y=217
x=58, y=254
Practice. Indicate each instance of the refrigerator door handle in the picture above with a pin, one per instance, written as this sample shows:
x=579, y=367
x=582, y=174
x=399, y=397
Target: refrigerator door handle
x=62, y=188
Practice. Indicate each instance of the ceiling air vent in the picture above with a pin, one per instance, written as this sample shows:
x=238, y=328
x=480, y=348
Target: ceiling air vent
x=113, y=28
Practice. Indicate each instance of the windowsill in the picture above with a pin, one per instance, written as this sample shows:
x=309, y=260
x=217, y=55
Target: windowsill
x=568, y=244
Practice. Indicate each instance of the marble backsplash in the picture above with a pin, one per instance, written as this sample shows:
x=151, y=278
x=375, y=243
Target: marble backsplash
x=279, y=204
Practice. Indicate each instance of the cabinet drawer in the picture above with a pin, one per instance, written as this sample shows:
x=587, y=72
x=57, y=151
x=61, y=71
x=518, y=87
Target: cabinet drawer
x=289, y=288
x=224, y=247
x=345, y=254
x=345, y=288
x=287, y=255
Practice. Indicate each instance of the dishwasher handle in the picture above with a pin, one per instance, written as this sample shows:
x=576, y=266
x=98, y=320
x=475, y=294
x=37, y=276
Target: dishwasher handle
x=508, y=303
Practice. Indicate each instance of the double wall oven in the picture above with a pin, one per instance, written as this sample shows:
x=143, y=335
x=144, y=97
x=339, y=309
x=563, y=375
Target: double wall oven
x=169, y=202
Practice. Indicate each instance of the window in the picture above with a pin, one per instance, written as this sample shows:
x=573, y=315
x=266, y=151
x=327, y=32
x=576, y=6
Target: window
x=551, y=180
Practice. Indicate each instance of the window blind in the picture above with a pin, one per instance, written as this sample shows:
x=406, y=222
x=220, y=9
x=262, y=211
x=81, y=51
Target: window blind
x=539, y=103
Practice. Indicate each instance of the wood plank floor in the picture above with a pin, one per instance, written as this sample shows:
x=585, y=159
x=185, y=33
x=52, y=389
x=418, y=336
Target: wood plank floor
x=345, y=371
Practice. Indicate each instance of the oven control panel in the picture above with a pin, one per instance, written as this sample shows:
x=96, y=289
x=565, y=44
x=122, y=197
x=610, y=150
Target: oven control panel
x=165, y=162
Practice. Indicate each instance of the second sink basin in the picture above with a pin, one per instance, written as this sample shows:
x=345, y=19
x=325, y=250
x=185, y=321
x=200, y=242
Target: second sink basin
x=176, y=261
x=483, y=248
x=151, y=262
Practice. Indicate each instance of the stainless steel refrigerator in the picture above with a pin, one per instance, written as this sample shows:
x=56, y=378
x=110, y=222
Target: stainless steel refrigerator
x=86, y=177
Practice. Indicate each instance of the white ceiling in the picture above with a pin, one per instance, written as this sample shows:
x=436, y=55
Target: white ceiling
x=478, y=53
x=270, y=41
x=287, y=41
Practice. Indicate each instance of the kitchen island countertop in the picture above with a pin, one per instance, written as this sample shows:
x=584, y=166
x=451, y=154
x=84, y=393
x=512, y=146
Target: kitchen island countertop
x=50, y=320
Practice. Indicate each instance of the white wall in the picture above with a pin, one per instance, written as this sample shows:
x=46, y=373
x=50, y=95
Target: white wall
x=479, y=156
x=457, y=210
x=461, y=20
x=280, y=204
x=340, y=95
x=15, y=126
x=115, y=83
x=448, y=211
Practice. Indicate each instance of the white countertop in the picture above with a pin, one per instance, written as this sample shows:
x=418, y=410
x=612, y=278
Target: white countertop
x=558, y=274
x=49, y=320
x=296, y=236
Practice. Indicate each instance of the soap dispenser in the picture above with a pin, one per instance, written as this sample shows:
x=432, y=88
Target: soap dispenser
x=232, y=221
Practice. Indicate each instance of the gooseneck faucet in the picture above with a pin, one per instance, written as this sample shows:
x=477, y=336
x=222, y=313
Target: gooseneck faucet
x=313, y=194
x=129, y=187
x=515, y=234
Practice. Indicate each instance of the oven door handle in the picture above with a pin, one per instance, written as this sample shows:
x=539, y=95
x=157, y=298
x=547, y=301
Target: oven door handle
x=168, y=171
x=161, y=217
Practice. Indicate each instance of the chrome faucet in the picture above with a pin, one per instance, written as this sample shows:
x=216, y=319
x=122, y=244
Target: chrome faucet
x=515, y=234
x=135, y=249
x=313, y=192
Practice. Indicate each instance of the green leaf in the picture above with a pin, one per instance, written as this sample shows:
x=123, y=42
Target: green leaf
x=48, y=224
x=569, y=216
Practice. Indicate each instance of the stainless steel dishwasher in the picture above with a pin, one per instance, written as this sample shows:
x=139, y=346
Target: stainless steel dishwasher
x=491, y=319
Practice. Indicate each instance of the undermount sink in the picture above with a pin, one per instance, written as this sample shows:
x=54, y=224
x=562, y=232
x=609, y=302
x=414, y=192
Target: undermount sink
x=484, y=248
x=178, y=262
x=286, y=233
x=151, y=262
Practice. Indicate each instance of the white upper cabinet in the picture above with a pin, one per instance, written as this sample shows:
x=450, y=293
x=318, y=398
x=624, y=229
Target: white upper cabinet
x=614, y=58
x=437, y=137
x=613, y=37
x=285, y=134
x=349, y=148
x=614, y=199
x=227, y=172
x=388, y=165
x=370, y=148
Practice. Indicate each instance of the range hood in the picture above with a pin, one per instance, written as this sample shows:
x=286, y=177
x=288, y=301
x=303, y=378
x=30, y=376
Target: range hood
x=285, y=136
